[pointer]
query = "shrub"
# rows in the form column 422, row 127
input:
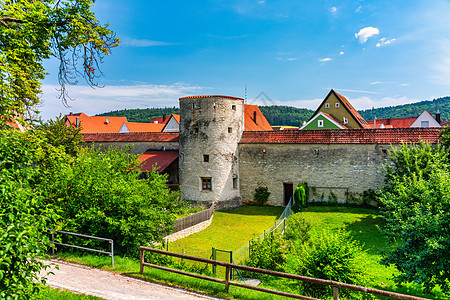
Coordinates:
column 331, row 256
column 298, row 229
column 268, row 253
column 261, row 195
column 301, row 196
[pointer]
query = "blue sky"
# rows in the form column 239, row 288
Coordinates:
column 376, row 53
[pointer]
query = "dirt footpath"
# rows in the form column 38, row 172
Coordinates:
column 109, row 285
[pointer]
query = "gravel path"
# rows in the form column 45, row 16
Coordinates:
column 109, row 285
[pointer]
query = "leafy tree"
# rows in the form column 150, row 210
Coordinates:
column 23, row 216
column 102, row 194
column 58, row 134
column 32, row 31
column 416, row 208
column 301, row 196
column 298, row 229
column 331, row 256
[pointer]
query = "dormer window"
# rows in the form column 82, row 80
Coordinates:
column 327, row 105
column 336, row 105
column 254, row 117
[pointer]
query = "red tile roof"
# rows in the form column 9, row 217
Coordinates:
column 132, row 137
column 337, row 136
column 209, row 96
column 261, row 123
column 96, row 124
column 144, row 127
column 157, row 158
column 394, row 122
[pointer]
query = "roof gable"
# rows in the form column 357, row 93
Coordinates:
column 250, row 124
column 425, row 116
column 351, row 112
column 324, row 116
column 96, row 124
column 173, row 125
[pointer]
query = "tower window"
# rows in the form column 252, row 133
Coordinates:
column 196, row 130
column 235, row 183
column 327, row 105
column 214, row 106
column 233, row 107
column 230, row 130
column 336, row 105
column 205, row 157
column 206, row 183
column 193, row 105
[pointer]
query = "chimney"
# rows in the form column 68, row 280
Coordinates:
column 71, row 114
column 388, row 121
column 77, row 122
column 164, row 117
column 438, row 117
column 254, row 117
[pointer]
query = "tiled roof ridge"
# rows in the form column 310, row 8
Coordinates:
column 351, row 109
column 337, row 136
column 132, row 137
column 211, row 96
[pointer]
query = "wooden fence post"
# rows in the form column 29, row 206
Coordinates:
column 227, row 279
column 335, row 293
column 141, row 259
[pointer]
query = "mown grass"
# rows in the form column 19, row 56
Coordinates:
column 47, row 292
column 231, row 229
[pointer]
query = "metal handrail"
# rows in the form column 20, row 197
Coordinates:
column 111, row 253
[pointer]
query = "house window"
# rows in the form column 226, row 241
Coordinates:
column 206, row 183
column 233, row 107
column 235, row 183
column 345, row 120
column 230, row 130
column 336, row 105
column 424, row 124
column 320, row 123
column 205, row 157
column 327, row 105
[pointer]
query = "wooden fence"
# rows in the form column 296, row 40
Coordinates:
column 229, row 266
column 193, row 219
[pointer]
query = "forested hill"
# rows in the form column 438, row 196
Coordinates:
column 142, row 114
column 410, row 110
column 292, row 116
column 275, row 114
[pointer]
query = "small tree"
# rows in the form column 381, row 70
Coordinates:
column 331, row 256
column 261, row 195
column 298, row 229
column 301, row 196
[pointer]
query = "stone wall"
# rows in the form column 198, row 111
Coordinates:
column 356, row 166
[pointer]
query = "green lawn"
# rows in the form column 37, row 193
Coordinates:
column 230, row 230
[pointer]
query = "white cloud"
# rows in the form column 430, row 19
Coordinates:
column 286, row 58
column 99, row 100
column 325, row 59
column 380, row 82
column 143, row 43
column 341, row 53
column 354, row 91
column 384, row 42
column 368, row 102
column 333, row 10
column 358, row 9
column 261, row 1
column 366, row 33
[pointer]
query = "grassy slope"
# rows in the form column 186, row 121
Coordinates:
column 58, row 294
column 231, row 229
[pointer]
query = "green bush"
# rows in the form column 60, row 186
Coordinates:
column 331, row 256
column 268, row 253
column 301, row 196
column 102, row 194
column 261, row 195
column 298, row 228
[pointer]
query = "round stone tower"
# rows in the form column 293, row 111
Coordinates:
column 210, row 130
